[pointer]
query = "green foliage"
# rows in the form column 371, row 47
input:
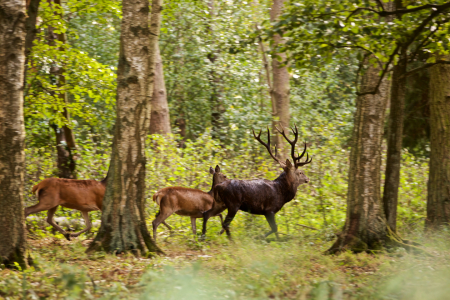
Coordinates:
column 319, row 32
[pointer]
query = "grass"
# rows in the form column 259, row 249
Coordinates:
column 249, row 268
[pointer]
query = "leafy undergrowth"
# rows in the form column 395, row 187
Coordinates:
column 248, row 268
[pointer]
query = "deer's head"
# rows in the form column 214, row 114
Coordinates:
column 218, row 177
column 294, row 175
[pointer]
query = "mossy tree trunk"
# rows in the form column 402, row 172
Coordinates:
column 13, row 246
column 123, row 225
column 438, row 202
column 280, row 82
column 365, row 226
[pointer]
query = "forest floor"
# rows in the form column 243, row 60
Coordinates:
column 248, row 268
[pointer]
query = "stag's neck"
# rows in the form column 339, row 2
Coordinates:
column 211, row 191
column 288, row 189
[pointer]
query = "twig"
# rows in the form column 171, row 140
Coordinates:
column 309, row 227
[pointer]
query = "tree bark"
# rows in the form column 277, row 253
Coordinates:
column 65, row 139
column 365, row 227
column 216, row 99
column 395, row 131
column 123, row 225
column 394, row 143
column 32, row 13
column 438, row 202
column 13, row 245
column 160, row 118
column 280, row 85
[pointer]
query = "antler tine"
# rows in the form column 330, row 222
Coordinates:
column 305, row 162
column 303, row 153
column 258, row 138
column 292, row 143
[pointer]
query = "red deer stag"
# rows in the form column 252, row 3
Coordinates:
column 83, row 195
column 186, row 202
column 261, row 196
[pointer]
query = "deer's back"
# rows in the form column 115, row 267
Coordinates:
column 257, row 196
column 85, row 195
column 185, row 201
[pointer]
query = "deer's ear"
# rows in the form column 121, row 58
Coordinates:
column 289, row 165
column 217, row 169
column 211, row 170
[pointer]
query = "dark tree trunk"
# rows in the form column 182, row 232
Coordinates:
column 438, row 202
column 32, row 13
column 365, row 226
column 65, row 140
column 280, row 84
column 13, row 245
column 123, row 225
column 394, row 141
column 395, row 131
column 160, row 118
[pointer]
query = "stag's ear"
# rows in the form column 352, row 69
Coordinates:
column 217, row 169
column 211, row 170
column 289, row 165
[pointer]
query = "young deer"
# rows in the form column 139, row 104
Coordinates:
column 186, row 202
column 82, row 195
column 261, row 196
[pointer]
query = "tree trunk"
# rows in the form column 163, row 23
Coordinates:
column 438, row 202
column 13, row 243
column 32, row 13
column 65, row 139
column 395, row 131
column 216, row 99
column 394, row 143
column 365, row 226
column 280, row 86
column 160, row 118
column 123, row 225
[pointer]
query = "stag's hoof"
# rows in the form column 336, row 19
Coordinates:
column 67, row 236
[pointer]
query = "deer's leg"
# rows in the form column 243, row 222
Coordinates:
column 50, row 214
column 159, row 219
column 41, row 206
column 194, row 226
column 87, row 222
column 226, row 224
column 167, row 225
column 270, row 217
column 206, row 216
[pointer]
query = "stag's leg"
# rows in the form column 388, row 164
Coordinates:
column 87, row 223
column 206, row 216
column 194, row 226
column 226, row 224
column 270, row 217
column 50, row 221
column 159, row 219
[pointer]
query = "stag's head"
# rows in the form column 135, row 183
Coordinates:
column 293, row 173
column 218, row 177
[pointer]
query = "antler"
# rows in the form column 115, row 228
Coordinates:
column 296, row 159
column 258, row 138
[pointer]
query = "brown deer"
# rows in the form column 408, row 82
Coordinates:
column 82, row 195
column 186, row 202
column 261, row 196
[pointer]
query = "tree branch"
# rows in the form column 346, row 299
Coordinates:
column 425, row 66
